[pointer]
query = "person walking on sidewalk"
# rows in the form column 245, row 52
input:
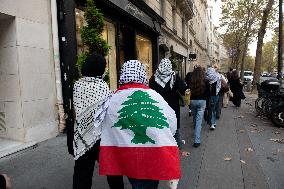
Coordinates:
column 214, row 79
column 200, row 92
column 221, row 93
column 226, row 94
column 137, row 132
column 187, row 81
column 90, row 94
column 170, row 86
column 237, row 89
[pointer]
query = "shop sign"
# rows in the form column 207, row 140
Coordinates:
column 134, row 11
column 192, row 57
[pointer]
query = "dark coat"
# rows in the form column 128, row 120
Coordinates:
column 171, row 96
column 237, row 89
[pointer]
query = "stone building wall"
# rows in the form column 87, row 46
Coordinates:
column 27, row 80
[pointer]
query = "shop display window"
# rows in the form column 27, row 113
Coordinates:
column 144, row 53
column 108, row 35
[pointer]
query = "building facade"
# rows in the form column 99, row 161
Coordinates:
column 173, row 40
column 28, row 111
column 199, row 37
column 217, row 52
column 131, row 29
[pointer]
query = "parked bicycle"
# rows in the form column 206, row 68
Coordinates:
column 270, row 101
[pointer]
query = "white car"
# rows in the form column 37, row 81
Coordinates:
column 248, row 76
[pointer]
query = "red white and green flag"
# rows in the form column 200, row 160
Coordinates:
column 137, row 137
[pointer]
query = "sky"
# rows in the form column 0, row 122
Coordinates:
column 217, row 12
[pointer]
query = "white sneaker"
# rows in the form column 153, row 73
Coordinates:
column 212, row 127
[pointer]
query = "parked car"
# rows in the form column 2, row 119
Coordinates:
column 248, row 77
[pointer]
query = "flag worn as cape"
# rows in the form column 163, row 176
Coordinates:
column 137, row 137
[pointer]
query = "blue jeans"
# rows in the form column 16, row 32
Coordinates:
column 214, row 109
column 143, row 183
column 197, row 108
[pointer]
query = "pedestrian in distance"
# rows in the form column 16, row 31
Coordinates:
column 187, row 81
column 90, row 94
column 226, row 95
column 5, row 182
column 137, row 137
column 200, row 92
column 223, row 94
column 237, row 89
column 170, row 86
column 214, row 79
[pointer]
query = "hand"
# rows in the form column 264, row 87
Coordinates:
column 8, row 182
column 185, row 154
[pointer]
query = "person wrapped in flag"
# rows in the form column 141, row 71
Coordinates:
column 137, row 136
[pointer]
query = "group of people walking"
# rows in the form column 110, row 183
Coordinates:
column 134, row 131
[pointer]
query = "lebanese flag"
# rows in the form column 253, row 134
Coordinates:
column 137, row 137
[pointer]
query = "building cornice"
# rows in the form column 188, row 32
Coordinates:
column 186, row 7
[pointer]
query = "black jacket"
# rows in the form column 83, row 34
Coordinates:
column 237, row 88
column 171, row 96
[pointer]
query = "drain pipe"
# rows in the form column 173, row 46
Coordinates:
column 56, row 57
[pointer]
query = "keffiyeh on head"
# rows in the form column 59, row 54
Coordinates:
column 133, row 71
column 213, row 77
column 165, row 73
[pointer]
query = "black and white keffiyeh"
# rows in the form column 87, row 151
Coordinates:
column 90, row 100
column 133, row 71
column 213, row 77
column 165, row 73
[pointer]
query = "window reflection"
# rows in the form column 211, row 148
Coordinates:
column 144, row 53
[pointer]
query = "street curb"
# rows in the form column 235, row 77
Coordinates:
column 17, row 149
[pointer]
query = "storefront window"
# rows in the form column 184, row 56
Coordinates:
column 109, row 35
column 80, row 22
column 144, row 53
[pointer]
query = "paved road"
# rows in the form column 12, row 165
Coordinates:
column 256, row 161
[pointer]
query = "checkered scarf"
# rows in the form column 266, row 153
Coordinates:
column 213, row 77
column 90, row 100
column 165, row 73
column 133, row 71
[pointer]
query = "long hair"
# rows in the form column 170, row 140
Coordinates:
column 197, row 83
column 94, row 66
column 235, row 75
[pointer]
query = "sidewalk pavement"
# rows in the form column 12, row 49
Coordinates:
column 244, row 151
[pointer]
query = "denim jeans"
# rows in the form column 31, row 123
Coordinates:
column 214, row 109
column 197, row 108
column 143, row 184
column 219, row 106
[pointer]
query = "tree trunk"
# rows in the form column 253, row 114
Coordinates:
column 244, row 54
column 248, row 26
column 261, row 33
